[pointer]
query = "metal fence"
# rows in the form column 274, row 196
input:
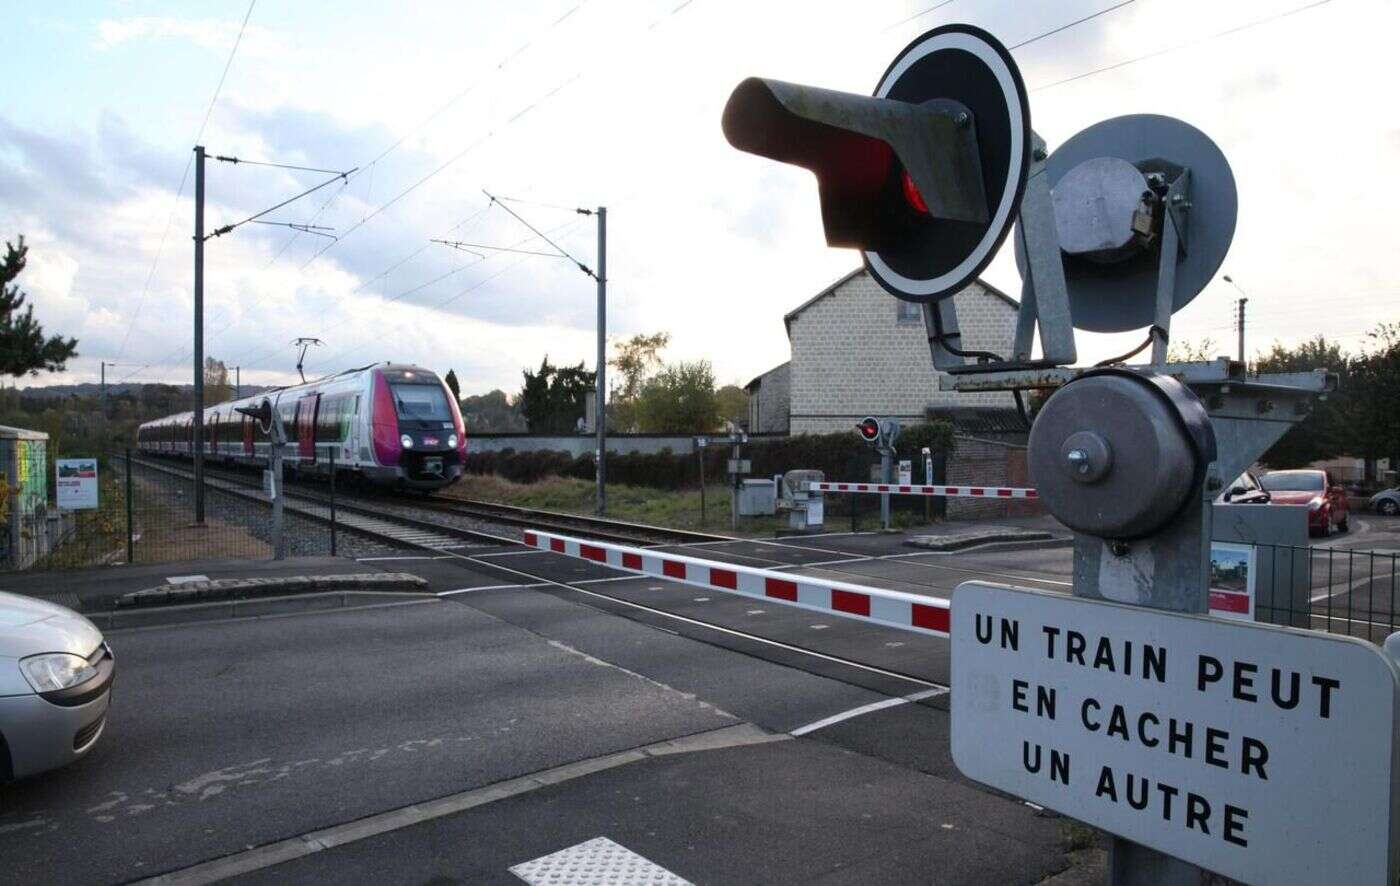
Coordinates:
column 145, row 514
column 1338, row 590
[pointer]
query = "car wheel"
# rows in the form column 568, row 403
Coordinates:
column 1326, row 530
column 1388, row 506
column 1345, row 525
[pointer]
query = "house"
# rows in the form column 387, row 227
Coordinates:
column 769, row 397
column 858, row 351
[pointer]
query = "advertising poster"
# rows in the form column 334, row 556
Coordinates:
column 75, row 487
column 1232, row 580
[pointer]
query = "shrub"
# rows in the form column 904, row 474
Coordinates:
column 840, row 456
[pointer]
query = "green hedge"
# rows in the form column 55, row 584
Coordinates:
column 840, row 456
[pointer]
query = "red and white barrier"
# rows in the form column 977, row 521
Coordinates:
column 949, row 491
column 896, row 609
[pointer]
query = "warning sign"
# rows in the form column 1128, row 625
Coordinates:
column 75, row 486
column 1259, row 752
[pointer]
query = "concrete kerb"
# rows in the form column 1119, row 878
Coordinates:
column 257, row 607
column 242, row 588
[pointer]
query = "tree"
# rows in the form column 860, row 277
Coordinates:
column 635, row 360
column 732, row 402
column 24, row 350
column 1187, row 351
column 216, row 384
column 680, row 399
column 492, row 412
column 553, row 398
column 1372, row 392
column 453, row 385
column 1327, row 430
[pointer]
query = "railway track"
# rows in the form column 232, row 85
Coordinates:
column 599, row 528
column 395, row 529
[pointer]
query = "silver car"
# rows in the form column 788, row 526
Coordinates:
column 56, row 675
column 1387, row 502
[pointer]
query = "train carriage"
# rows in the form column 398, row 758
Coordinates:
column 394, row 425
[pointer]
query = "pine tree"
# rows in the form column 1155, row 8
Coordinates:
column 453, row 385
column 23, row 348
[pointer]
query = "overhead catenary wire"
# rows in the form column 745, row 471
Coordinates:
column 184, row 176
column 219, row 232
column 1184, row 45
column 1073, row 24
column 581, row 266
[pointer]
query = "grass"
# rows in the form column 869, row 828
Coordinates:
column 674, row 509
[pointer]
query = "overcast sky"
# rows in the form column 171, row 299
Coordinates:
column 612, row 102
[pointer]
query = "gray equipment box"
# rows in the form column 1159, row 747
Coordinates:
column 758, row 498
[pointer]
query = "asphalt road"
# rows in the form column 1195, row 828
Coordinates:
column 233, row 735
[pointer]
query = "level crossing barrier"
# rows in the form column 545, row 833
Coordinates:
column 914, row 489
column 896, row 609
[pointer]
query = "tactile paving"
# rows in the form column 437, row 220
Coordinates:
column 596, row 862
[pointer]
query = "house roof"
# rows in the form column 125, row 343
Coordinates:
column 846, row 278
column 754, row 382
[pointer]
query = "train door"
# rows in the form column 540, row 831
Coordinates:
column 306, row 428
column 247, row 436
column 211, row 435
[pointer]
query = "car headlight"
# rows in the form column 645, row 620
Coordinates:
column 451, row 441
column 1314, row 504
column 53, row 671
column 407, row 441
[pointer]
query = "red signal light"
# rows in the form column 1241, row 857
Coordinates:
column 869, row 430
column 912, row 195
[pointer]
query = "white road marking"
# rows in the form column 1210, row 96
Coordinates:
column 867, row 709
column 184, row 579
column 599, row 860
column 453, row 593
column 410, row 557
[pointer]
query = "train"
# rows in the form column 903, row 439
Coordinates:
column 389, row 425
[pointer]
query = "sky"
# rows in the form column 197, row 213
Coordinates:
column 562, row 104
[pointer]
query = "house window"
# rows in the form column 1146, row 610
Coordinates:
column 908, row 312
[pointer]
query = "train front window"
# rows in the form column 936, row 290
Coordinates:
column 421, row 403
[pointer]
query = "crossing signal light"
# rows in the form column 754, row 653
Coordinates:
column 869, row 430
column 923, row 176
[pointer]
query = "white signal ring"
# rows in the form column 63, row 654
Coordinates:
column 953, row 280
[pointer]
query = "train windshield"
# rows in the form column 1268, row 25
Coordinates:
column 421, row 403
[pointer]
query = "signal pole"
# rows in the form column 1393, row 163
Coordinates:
column 238, row 382
column 600, row 397
column 198, row 440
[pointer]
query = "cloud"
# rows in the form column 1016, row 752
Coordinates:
column 212, row 34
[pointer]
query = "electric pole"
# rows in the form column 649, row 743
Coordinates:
column 238, row 382
column 1239, row 316
column 198, row 439
column 600, row 399
column 600, row 396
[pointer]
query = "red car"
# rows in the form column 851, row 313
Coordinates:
column 1326, row 501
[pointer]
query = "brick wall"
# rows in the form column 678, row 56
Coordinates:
column 853, row 355
column 979, row 462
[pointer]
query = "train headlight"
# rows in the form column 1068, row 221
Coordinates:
column 451, row 441
column 406, row 441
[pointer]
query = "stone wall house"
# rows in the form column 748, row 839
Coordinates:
column 769, row 399
column 858, row 351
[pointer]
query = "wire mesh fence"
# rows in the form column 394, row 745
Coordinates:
column 1338, row 590
column 146, row 514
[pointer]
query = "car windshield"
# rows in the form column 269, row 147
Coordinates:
column 421, row 403
column 1293, row 481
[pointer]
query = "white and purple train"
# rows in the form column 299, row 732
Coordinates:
column 392, row 425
